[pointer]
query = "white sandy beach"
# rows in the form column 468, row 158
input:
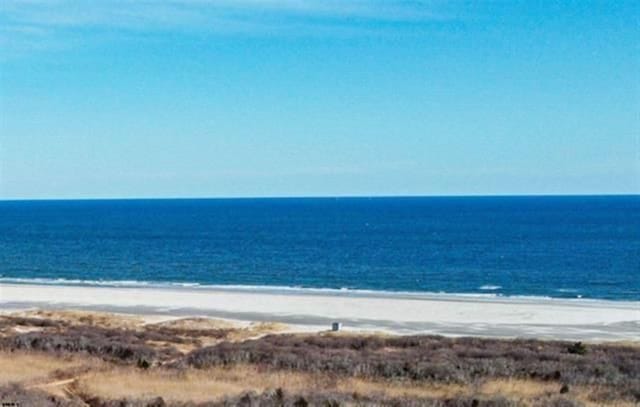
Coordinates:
column 402, row 314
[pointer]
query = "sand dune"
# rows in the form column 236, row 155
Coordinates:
column 436, row 314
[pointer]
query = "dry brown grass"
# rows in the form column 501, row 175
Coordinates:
column 628, row 343
column 513, row 388
column 92, row 318
column 197, row 323
column 390, row 389
column 198, row 327
column 191, row 385
column 217, row 383
column 32, row 368
column 203, row 385
column 125, row 321
column 590, row 403
column 97, row 378
column 256, row 330
column 62, row 376
column 525, row 391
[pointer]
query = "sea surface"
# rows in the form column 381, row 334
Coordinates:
column 568, row 247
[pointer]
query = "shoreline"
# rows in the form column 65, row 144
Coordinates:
column 483, row 293
column 305, row 311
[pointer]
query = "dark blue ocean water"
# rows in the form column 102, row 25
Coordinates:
column 569, row 247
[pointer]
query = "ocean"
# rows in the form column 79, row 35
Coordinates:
column 542, row 246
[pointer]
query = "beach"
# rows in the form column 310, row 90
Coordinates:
column 315, row 310
column 83, row 345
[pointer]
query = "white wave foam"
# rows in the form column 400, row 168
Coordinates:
column 105, row 283
column 234, row 287
column 293, row 290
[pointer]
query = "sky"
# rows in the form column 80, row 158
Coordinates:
column 249, row 98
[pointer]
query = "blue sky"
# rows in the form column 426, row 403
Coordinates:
column 216, row 98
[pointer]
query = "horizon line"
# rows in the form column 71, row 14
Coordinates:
column 274, row 197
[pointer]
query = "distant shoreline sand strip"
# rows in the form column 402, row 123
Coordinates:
column 484, row 291
column 452, row 315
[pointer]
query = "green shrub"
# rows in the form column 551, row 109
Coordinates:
column 577, row 348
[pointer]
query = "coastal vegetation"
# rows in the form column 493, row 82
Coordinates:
column 94, row 359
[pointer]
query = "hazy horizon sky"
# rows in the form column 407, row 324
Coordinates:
column 222, row 98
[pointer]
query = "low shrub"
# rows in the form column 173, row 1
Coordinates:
column 19, row 396
column 118, row 345
column 438, row 359
column 577, row 348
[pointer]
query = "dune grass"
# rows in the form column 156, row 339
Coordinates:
column 32, row 368
column 80, row 357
